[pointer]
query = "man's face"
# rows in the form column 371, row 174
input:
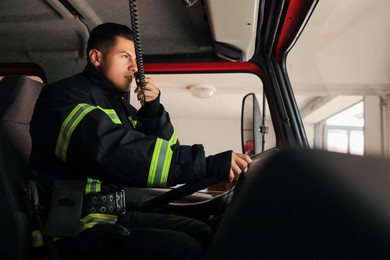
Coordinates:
column 118, row 64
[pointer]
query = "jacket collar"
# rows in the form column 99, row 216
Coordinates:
column 101, row 81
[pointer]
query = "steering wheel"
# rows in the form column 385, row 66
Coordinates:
column 179, row 192
column 190, row 188
column 186, row 189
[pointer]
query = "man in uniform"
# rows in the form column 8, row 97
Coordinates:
column 86, row 137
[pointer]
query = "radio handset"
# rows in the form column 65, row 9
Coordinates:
column 138, row 81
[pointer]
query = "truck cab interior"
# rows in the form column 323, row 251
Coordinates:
column 291, row 201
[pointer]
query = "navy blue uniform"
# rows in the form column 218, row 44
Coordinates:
column 82, row 128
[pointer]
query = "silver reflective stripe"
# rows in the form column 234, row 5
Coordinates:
column 132, row 121
column 68, row 126
column 71, row 122
column 92, row 186
column 112, row 114
column 37, row 238
column 161, row 162
column 95, row 218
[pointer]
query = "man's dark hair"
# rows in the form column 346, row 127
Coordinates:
column 102, row 37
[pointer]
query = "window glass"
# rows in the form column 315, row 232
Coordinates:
column 215, row 121
column 337, row 140
column 356, row 140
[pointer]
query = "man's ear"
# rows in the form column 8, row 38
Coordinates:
column 95, row 57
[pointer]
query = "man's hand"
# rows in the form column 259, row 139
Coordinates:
column 239, row 164
column 150, row 92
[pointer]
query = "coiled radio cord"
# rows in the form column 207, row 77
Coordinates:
column 137, row 44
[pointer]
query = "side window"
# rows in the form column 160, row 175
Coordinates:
column 342, row 132
column 212, row 115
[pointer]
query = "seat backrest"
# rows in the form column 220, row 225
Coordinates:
column 309, row 204
column 18, row 95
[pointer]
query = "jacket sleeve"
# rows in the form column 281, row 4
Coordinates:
column 188, row 162
column 153, row 119
column 122, row 156
column 191, row 165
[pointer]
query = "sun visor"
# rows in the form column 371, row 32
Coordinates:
column 233, row 27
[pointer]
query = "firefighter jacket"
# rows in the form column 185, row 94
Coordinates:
column 82, row 127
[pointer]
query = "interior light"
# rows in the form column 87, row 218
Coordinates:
column 201, row 90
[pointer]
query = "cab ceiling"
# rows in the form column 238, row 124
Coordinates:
column 35, row 30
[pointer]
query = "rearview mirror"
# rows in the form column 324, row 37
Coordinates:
column 250, row 125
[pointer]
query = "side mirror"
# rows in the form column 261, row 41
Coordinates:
column 250, row 125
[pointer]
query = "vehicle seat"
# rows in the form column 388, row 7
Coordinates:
column 310, row 204
column 18, row 95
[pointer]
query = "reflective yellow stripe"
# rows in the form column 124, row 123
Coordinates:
column 153, row 165
column 161, row 162
column 92, row 186
column 112, row 114
column 132, row 121
column 68, row 127
column 87, row 222
column 71, row 122
column 95, row 218
column 37, row 238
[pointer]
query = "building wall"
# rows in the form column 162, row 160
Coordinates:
column 216, row 135
column 386, row 126
column 373, row 133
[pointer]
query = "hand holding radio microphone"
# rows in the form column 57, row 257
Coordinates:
column 149, row 93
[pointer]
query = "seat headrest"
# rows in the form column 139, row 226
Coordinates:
column 18, row 94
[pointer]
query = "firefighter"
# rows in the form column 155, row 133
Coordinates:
column 88, row 142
